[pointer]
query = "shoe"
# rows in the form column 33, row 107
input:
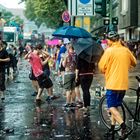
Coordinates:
column 67, row 105
column 84, row 109
column 2, row 98
column 38, row 100
column 34, row 93
column 125, row 133
column 48, row 98
column 72, row 105
column 79, row 104
column 54, row 97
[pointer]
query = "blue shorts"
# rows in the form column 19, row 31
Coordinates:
column 114, row 97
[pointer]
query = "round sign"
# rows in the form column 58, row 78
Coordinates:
column 84, row 1
column 66, row 16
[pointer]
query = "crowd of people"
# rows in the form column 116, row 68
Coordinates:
column 75, row 72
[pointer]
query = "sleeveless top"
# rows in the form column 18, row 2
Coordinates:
column 71, row 62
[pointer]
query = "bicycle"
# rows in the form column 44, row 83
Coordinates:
column 106, row 115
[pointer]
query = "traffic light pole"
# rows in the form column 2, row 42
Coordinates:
column 110, row 12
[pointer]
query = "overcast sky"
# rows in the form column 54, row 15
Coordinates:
column 11, row 3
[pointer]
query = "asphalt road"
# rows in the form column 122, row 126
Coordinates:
column 22, row 119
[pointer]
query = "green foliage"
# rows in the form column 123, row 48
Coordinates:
column 47, row 11
column 6, row 15
column 9, row 17
column 18, row 20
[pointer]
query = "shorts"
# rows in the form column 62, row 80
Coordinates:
column 44, row 81
column 114, row 97
column 69, row 81
column 2, row 81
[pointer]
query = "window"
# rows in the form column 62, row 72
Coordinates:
column 8, row 37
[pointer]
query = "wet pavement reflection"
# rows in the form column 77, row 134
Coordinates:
column 23, row 119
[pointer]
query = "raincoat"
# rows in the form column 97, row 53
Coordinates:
column 115, row 64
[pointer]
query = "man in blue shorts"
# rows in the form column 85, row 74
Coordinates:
column 115, row 64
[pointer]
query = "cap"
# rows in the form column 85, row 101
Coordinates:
column 112, row 34
column 66, row 40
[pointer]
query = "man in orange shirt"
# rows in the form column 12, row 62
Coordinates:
column 115, row 64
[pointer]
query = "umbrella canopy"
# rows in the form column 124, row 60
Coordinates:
column 71, row 32
column 88, row 49
column 53, row 42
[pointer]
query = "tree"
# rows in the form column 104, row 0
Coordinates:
column 18, row 20
column 7, row 15
column 47, row 11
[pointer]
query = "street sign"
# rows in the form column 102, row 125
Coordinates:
column 84, row 1
column 66, row 16
column 85, row 7
column 81, row 7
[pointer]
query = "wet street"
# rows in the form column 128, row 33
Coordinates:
column 22, row 119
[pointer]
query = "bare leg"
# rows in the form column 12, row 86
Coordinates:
column 78, row 95
column 40, row 90
column 116, row 115
column 73, row 96
column 50, row 91
column 2, row 95
column 68, row 96
column 35, row 85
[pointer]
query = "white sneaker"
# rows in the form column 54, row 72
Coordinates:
column 85, row 109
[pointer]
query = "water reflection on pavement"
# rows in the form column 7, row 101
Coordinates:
column 22, row 119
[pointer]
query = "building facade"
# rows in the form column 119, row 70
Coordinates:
column 139, row 19
column 128, row 19
column 99, row 27
column 128, row 13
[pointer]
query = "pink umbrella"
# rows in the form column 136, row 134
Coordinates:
column 52, row 42
column 55, row 42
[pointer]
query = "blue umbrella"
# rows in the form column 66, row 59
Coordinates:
column 71, row 32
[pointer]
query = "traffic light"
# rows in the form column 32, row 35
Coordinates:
column 115, row 20
column 106, row 21
column 100, row 7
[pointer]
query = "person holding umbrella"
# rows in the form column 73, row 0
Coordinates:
column 88, row 52
column 84, row 73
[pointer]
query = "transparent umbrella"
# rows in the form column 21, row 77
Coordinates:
column 88, row 49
